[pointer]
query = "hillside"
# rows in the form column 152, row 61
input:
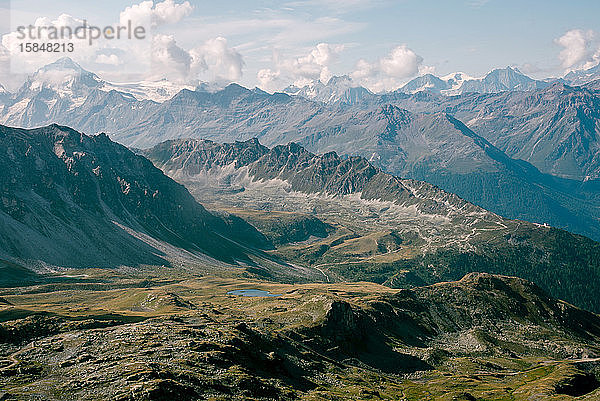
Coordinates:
column 400, row 232
column 70, row 200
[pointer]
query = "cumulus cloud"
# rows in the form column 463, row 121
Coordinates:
column 134, row 57
column 581, row 49
column 386, row 73
column 213, row 60
column 157, row 56
column 301, row 70
column 268, row 79
column 111, row 59
column 220, row 62
column 401, row 63
column 168, row 59
column 391, row 71
column 166, row 12
column 20, row 61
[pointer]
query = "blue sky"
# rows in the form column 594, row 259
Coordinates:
column 380, row 43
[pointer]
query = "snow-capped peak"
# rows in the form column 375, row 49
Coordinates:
column 337, row 89
column 458, row 76
column 63, row 64
column 64, row 77
column 158, row 91
column 497, row 80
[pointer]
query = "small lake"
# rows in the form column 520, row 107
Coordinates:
column 253, row 293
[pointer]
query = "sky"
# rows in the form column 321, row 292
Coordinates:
column 380, row 44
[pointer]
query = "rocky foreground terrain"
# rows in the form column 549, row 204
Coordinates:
column 125, row 337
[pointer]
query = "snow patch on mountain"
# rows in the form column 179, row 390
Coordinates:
column 339, row 89
column 157, row 91
column 498, row 80
column 582, row 77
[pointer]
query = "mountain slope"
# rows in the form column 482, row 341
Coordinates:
column 427, row 146
column 71, row 200
column 554, row 129
column 593, row 85
column 4, row 95
column 388, row 230
column 582, row 77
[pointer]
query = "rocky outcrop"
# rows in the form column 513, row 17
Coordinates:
column 72, row 200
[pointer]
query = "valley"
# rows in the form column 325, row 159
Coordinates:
column 374, row 226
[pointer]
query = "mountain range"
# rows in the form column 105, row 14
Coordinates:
column 73, row 201
column 63, row 86
column 342, row 89
column 498, row 80
column 528, row 154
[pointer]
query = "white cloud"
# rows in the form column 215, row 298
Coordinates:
column 401, row 63
column 222, row 63
column 158, row 56
column 166, row 12
column 363, row 70
column 29, row 61
column 391, row 71
column 168, row 59
column 301, row 70
column 581, row 49
column 134, row 57
column 169, row 12
column 268, row 79
column 386, row 73
column 213, row 60
column 112, row 59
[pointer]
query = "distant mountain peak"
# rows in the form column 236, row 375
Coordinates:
column 63, row 63
column 65, row 77
column 235, row 88
column 582, row 77
column 509, row 70
column 341, row 79
column 498, row 80
column 338, row 89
